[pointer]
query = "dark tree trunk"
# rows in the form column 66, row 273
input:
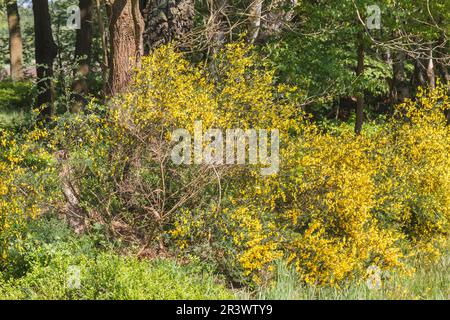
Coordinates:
column 418, row 78
column 399, row 88
column 125, row 28
column 83, row 43
column 104, row 39
column 46, row 50
column 360, row 74
column 166, row 21
column 15, row 41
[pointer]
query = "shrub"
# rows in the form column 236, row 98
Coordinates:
column 339, row 205
column 25, row 183
column 16, row 101
column 120, row 159
column 16, row 95
column 414, row 181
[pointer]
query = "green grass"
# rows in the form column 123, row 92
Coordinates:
column 49, row 258
column 42, row 264
column 431, row 282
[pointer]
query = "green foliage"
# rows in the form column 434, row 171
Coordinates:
column 16, row 101
column 16, row 95
column 430, row 282
column 41, row 270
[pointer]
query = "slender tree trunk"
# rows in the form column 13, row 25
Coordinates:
column 430, row 70
column 83, row 43
column 126, row 27
column 399, row 89
column 444, row 58
column 360, row 74
column 83, row 40
column 101, row 27
column 15, row 41
column 418, row 78
column 255, row 20
column 46, row 50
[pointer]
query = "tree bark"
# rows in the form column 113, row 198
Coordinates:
column 418, row 78
column 399, row 88
column 430, row 69
column 83, row 43
column 255, row 20
column 126, row 27
column 15, row 41
column 104, row 63
column 45, row 53
column 75, row 215
column 166, row 21
column 360, row 74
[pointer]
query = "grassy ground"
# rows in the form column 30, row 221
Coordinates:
column 52, row 263
column 50, row 255
column 430, row 282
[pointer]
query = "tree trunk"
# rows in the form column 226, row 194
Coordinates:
column 104, row 63
column 126, row 27
column 399, row 89
column 45, row 53
column 83, row 43
column 166, row 21
column 430, row 70
column 255, row 20
column 418, row 78
column 75, row 215
column 444, row 58
column 15, row 41
column 360, row 74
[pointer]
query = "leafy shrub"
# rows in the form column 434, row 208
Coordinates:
column 340, row 203
column 414, row 182
column 120, row 159
column 16, row 95
column 26, row 180
column 16, row 101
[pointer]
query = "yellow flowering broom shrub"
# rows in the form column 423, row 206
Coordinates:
column 26, row 173
column 340, row 203
column 414, row 183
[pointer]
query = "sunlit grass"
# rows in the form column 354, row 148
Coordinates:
column 430, row 282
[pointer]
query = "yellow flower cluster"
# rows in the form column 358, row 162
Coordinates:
column 339, row 204
column 20, row 193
